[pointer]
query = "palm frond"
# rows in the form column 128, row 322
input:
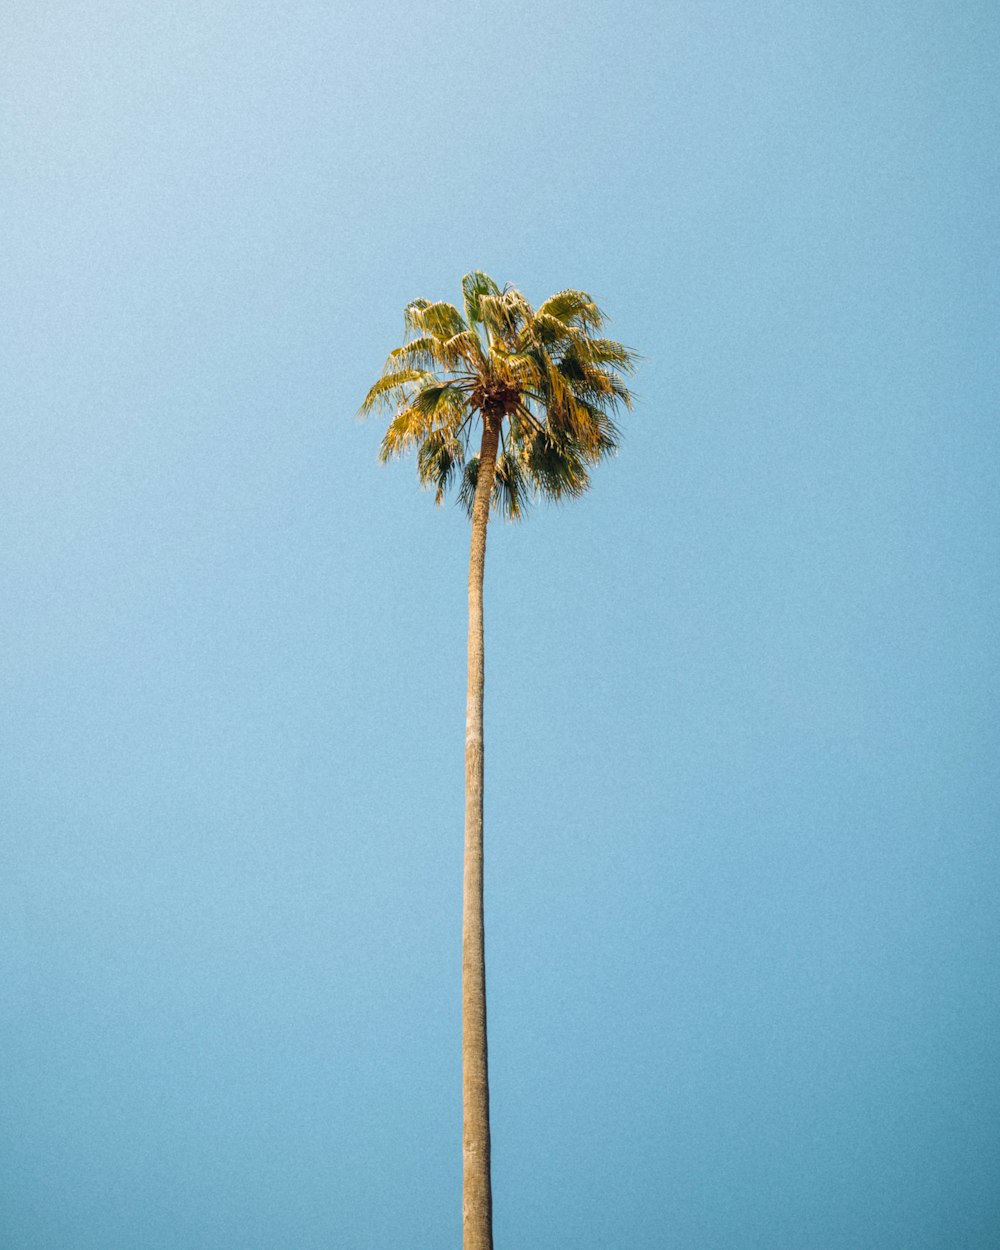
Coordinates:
column 549, row 332
column 431, row 410
column 519, row 367
column 405, row 431
column 504, row 314
column 556, row 467
column 603, row 386
column 602, row 438
column 440, row 456
column 391, row 387
column 465, row 347
column 608, row 352
column 573, row 308
column 474, row 286
column 412, row 310
column 511, row 486
column 441, row 319
column 440, row 399
column 467, row 489
column 426, row 353
column 556, row 391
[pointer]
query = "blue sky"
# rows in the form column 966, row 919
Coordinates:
column 741, row 726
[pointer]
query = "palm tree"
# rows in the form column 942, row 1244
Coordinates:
column 540, row 390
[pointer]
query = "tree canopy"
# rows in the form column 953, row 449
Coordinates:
column 544, row 375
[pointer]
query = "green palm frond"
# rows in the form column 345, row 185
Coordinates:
column 603, row 387
column 573, row 308
column 429, row 411
column 412, row 309
column 511, row 487
column 474, row 286
column 441, row 398
column 603, row 434
column 466, row 348
column 442, row 320
column 440, row 456
column 557, row 393
column 427, row 353
column 390, row 388
column 467, row 488
column 494, row 316
column 519, row 367
column 608, row 352
column 505, row 313
column 556, row 467
column 512, row 490
column 406, row 430
column 548, row 333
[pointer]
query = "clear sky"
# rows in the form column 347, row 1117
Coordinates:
column 742, row 863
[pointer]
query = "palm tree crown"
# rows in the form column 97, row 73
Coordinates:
column 542, row 375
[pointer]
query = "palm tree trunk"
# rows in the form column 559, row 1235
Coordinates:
column 477, row 1198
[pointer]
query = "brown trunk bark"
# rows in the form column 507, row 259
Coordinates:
column 477, row 1198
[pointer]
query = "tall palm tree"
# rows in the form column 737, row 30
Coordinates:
column 539, row 389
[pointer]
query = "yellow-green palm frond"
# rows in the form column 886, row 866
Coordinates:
column 551, row 334
column 440, row 319
column 392, row 389
column 474, row 286
column 602, row 436
column 426, row 353
column 412, row 309
column 439, row 457
column 467, row 486
column 575, row 414
column 511, row 485
column 572, row 422
column 504, row 314
column 603, row 386
column 494, row 316
column 523, row 369
column 538, row 465
column 466, row 348
column 518, row 311
column 432, row 409
column 557, row 391
column 405, row 431
column 573, row 308
column 608, row 352
column 441, row 401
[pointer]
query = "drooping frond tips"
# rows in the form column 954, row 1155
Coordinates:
column 512, row 487
column 505, row 314
column 467, row 488
column 390, row 389
column 439, row 458
column 413, row 310
column 430, row 410
column 442, row 320
column 608, row 352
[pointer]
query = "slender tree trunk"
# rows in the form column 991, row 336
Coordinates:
column 477, row 1198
